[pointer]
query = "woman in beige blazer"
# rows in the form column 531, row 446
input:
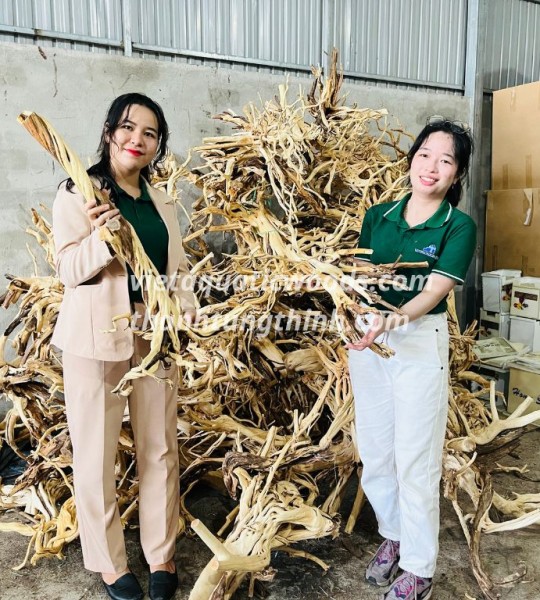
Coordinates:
column 98, row 287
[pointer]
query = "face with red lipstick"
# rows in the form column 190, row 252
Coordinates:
column 434, row 167
column 134, row 142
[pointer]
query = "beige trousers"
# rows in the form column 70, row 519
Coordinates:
column 94, row 417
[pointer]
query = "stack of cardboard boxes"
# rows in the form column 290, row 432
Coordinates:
column 495, row 323
column 513, row 203
column 496, row 296
column 511, row 310
column 525, row 328
column 525, row 312
column 512, row 239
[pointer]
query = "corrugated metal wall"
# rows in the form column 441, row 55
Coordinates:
column 235, row 28
column 413, row 43
column 257, row 33
column 512, row 54
column 409, row 41
column 94, row 25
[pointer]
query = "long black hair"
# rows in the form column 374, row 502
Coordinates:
column 102, row 169
column 463, row 147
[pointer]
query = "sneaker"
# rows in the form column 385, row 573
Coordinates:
column 409, row 587
column 383, row 567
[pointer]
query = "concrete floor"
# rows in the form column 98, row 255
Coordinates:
column 297, row 578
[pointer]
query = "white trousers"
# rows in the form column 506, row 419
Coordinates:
column 401, row 406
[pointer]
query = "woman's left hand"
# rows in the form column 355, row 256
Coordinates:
column 377, row 327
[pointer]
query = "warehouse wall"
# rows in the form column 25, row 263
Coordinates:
column 407, row 43
column 379, row 39
column 72, row 90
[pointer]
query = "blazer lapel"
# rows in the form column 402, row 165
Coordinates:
column 167, row 211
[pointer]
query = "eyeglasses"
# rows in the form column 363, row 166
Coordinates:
column 454, row 126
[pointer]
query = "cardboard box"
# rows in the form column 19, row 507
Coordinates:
column 522, row 384
column 497, row 290
column 493, row 324
column 525, row 300
column 513, row 230
column 515, row 159
column 525, row 331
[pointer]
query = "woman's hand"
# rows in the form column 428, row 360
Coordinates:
column 99, row 215
column 377, row 327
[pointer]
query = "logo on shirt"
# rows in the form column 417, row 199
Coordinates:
column 428, row 251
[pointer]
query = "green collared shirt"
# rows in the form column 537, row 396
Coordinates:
column 446, row 241
column 149, row 227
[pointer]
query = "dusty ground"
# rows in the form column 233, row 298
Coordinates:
column 296, row 578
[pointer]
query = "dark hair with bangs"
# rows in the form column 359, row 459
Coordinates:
column 463, row 147
column 102, row 169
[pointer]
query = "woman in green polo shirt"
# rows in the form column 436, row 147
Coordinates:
column 97, row 287
column 401, row 403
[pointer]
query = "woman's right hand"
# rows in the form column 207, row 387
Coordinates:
column 378, row 326
column 99, row 215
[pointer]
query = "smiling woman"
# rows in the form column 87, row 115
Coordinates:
column 401, row 403
column 133, row 145
column 98, row 287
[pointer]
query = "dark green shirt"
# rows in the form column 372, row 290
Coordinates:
column 446, row 241
column 149, row 227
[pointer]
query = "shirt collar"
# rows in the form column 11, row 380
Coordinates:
column 144, row 197
column 441, row 216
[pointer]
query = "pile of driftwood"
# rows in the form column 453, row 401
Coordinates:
column 266, row 411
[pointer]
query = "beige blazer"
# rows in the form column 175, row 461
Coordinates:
column 96, row 283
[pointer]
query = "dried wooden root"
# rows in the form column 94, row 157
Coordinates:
column 269, row 517
column 475, row 430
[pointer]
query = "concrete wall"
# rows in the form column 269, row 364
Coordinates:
column 73, row 90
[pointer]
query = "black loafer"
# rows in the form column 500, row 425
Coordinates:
column 125, row 588
column 163, row 585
